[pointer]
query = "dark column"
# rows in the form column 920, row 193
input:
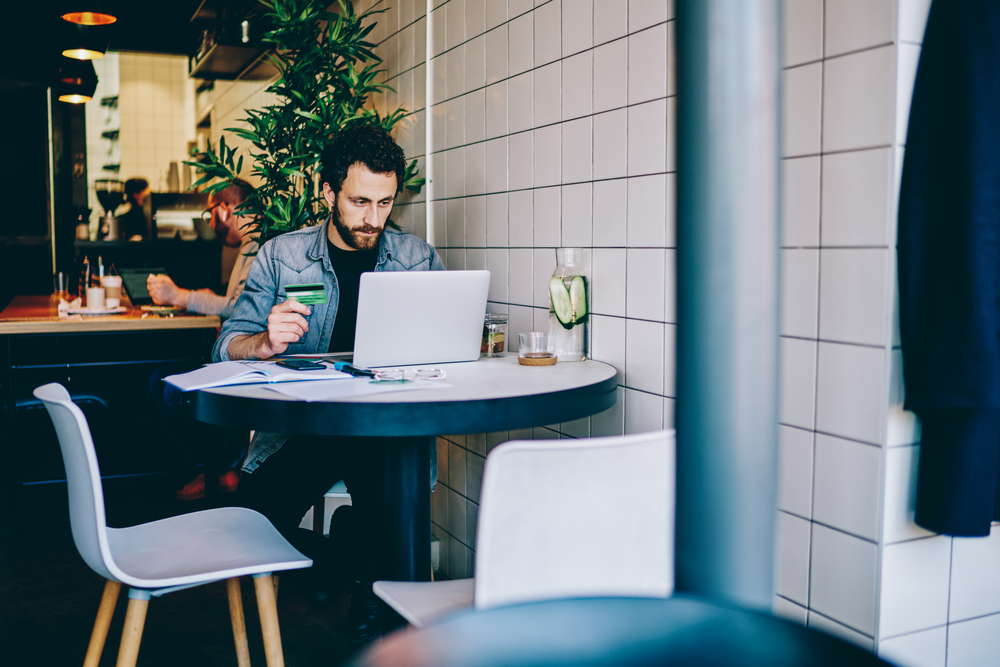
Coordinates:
column 727, row 259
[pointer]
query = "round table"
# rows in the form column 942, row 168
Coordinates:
column 485, row 395
column 623, row 632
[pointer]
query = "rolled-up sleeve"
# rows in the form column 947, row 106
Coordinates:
column 210, row 304
column 251, row 310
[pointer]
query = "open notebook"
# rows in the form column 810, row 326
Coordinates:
column 229, row 373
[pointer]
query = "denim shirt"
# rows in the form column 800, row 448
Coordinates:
column 302, row 257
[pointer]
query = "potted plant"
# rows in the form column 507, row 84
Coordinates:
column 327, row 72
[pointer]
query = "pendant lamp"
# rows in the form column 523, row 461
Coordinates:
column 88, row 12
column 76, row 81
column 85, row 42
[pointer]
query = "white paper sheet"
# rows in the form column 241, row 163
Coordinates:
column 337, row 389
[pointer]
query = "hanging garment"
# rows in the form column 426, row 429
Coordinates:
column 949, row 266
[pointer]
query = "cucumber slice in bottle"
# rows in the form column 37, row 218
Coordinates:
column 561, row 304
column 578, row 298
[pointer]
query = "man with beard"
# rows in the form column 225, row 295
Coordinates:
column 362, row 173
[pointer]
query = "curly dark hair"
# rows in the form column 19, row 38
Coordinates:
column 362, row 144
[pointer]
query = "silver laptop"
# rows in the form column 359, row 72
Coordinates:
column 407, row 318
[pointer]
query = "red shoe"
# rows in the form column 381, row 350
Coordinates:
column 193, row 490
column 227, row 482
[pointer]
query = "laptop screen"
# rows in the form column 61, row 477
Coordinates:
column 134, row 282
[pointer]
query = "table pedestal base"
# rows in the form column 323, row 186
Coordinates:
column 408, row 508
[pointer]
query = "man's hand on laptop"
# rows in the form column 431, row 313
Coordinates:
column 285, row 325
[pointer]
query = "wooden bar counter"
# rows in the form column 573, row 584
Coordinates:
column 39, row 314
column 106, row 363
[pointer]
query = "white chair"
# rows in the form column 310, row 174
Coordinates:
column 167, row 555
column 561, row 519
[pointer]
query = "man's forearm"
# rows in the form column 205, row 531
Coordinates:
column 250, row 347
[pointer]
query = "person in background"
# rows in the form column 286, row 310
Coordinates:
column 221, row 450
column 234, row 231
column 133, row 221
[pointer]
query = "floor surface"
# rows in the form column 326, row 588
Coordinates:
column 49, row 599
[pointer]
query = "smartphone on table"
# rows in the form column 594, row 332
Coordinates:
column 301, row 364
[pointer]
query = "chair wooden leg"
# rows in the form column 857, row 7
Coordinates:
column 239, row 623
column 135, row 619
column 104, row 613
column 268, row 608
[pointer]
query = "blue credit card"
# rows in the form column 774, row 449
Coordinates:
column 308, row 294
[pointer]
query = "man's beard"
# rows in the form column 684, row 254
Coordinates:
column 354, row 237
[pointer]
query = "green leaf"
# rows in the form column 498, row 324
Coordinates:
column 307, row 114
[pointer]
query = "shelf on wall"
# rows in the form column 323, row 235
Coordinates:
column 111, row 102
column 110, row 134
column 224, row 62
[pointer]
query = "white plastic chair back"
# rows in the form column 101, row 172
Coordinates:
column 577, row 518
column 83, row 477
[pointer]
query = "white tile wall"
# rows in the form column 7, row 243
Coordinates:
column 791, row 560
column 799, row 292
column 849, row 394
column 795, row 466
column 846, row 486
column 843, row 579
column 803, row 101
column 858, row 98
column 853, row 296
column 975, row 578
column 914, row 587
column 857, row 188
column 803, row 39
column 852, row 25
column 975, row 642
column 797, row 401
column 919, row 649
column 156, row 107
column 579, row 95
column 800, row 187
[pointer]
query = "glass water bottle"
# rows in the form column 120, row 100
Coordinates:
column 569, row 304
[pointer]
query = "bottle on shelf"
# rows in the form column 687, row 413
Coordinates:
column 85, row 277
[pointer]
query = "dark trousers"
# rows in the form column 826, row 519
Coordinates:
column 957, row 479
column 294, row 478
column 217, row 449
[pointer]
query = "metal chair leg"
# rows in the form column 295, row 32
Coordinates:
column 135, row 619
column 104, row 613
column 238, row 621
column 268, row 608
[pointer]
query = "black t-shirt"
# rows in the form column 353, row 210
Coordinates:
column 348, row 265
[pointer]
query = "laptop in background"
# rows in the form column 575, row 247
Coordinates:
column 134, row 282
column 407, row 318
